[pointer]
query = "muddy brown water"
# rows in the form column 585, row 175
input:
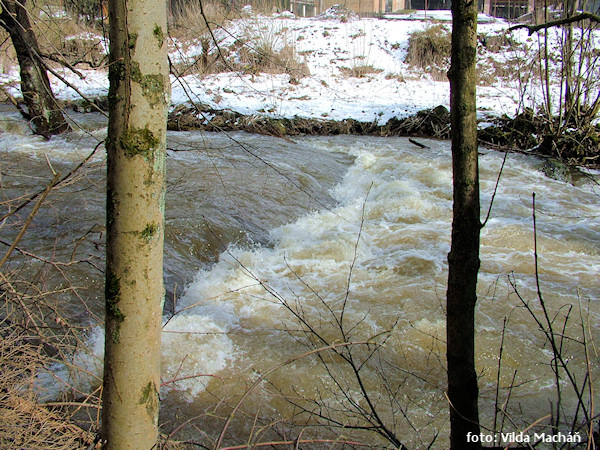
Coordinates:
column 349, row 232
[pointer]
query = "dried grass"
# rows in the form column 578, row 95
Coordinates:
column 264, row 58
column 26, row 423
column 269, row 49
column 188, row 21
column 360, row 71
column 429, row 50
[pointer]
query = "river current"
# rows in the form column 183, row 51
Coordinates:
column 275, row 247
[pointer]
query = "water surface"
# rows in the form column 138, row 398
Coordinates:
column 275, row 247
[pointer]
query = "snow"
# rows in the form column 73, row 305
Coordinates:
column 329, row 47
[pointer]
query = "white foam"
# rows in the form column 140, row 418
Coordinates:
column 194, row 348
column 80, row 374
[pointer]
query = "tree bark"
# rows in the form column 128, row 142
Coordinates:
column 463, row 259
column 42, row 109
column 136, row 148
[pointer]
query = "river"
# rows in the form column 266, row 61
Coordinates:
column 275, row 247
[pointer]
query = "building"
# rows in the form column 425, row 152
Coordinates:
column 507, row 9
column 308, row 8
column 528, row 10
column 363, row 6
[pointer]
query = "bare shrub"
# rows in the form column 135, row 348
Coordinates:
column 569, row 342
column 500, row 56
column 65, row 39
column 86, row 50
column 567, row 88
column 191, row 19
column 8, row 59
column 39, row 292
column 264, row 58
column 429, row 50
column 498, row 42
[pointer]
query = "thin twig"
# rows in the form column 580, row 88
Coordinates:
column 62, row 180
column 297, row 442
column 263, row 376
column 495, row 190
column 497, row 394
column 34, row 211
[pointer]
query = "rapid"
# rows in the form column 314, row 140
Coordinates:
column 275, row 248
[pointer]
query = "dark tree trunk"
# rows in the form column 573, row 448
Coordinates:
column 463, row 259
column 42, row 109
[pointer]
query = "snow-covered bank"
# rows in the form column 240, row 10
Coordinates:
column 329, row 48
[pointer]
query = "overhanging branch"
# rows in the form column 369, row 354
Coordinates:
column 556, row 23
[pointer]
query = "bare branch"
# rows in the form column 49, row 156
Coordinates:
column 47, row 190
column 62, row 180
column 495, row 191
column 556, row 23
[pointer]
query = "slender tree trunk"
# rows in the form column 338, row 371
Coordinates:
column 571, row 99
column 138, row 100
column 463, row 259
column 42, row 109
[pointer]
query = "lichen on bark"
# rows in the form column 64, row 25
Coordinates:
column 139, row 142
column 160, row 36
column 153, row 85
column 150, row 398
column 149, row 232
column 132, row 40
column 116, row 74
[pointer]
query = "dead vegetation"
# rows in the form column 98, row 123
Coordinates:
column 499, row 55
column 266, row 58
column 38, row 294
column 267, row 49
column 429, row 50
column 25, row 422
column 31, row 343
column 532, row 132
column 428, row 123
column 67, row 41
column 360, row 71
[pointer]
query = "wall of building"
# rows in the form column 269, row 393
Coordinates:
column 362, row 6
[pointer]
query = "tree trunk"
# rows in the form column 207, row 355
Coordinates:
column 42, row 109
column 136, row 148
column 463, row 259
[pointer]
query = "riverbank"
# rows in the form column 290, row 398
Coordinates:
column 523, row 133
column 427, row 123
